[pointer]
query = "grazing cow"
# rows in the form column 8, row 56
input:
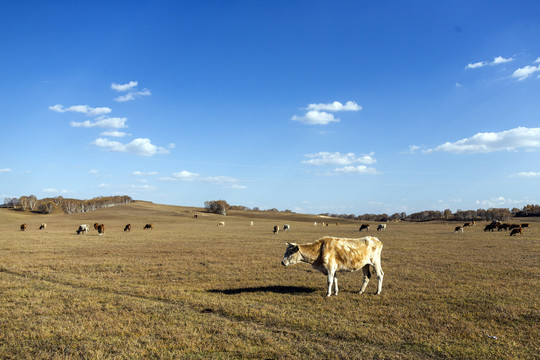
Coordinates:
column 195, row 216
column 514, row 226
column 42, row 226
column 286, row 227
column 491, row 227
column 330, row 255
column 23, row 227
column 458, row 229
column 381, row 227
column 503, row 227
column 101, row 229
column 516, row 231
column 276, row 229
column 523, row 226
column 148, row 226
column 127, row 228
column 364, row 227
column 466, row 224
column 82, row 229
column 473, row 223
column 221, row 223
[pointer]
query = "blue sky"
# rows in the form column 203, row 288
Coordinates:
column 313, row 106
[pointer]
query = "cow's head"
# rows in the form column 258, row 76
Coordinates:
column 292, row 255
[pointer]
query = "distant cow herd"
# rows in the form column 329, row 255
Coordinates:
column 515, row 229
column 83, row 228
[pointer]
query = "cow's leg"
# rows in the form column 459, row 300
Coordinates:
column 380, row 276
column 331, row 277
column 335, row 285
column 367, row 275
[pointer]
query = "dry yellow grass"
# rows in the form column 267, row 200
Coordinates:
column 190, row 289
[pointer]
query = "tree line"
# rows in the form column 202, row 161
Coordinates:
column 68, row 206
column 221, row 207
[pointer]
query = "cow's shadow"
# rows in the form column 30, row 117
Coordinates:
column 277, row 289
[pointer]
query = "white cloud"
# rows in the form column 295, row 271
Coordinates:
column 55, row 191
column 144, row 173
column 6, row 170
column 360, row 169
column 104, row 186
column 138, row 146
column 83, row 109
column 113, row 133
column 336, row 158
column 525, row 72
column 317, row 113
column 124, row 87
column 496, row 61
column 94, row 172
column 500, row 60
column 133, row 95
column 130, row 88
column 226, row 181
column 499, row 202
column 526, row 174
column 537, row 61
column 509, row 140
column 413, row 148
column 114, row 122
column 476, row 65
column 335, row 106
column 315, row 117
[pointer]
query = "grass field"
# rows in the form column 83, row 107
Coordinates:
column 189, row 289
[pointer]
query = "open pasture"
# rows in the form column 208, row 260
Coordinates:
column 192, row 289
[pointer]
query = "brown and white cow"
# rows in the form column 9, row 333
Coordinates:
column 23, row 227
column 101, row 229
column 331, row 254
column 82, row 229
column 42, row 226
column 458, row 229
column 148, row 226
column 127, row 228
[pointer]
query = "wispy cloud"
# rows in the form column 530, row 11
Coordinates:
column 144, row 173
column 133, row 95
column 83, row 109
column 347, row 162
column 509, row 140
column 335, row 106
column 114, row 122
column 131, row 89
column 500, row 201
column 526, row 174
column 124, row 87
column 113, row 133
column 336, row 158
column 359, row 169
column 225, row 181
column 496, row 61
column 139, row 146
column 5, row 170
column 317, row 114
column 55, row 191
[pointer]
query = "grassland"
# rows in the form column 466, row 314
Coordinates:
column 189, row 289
